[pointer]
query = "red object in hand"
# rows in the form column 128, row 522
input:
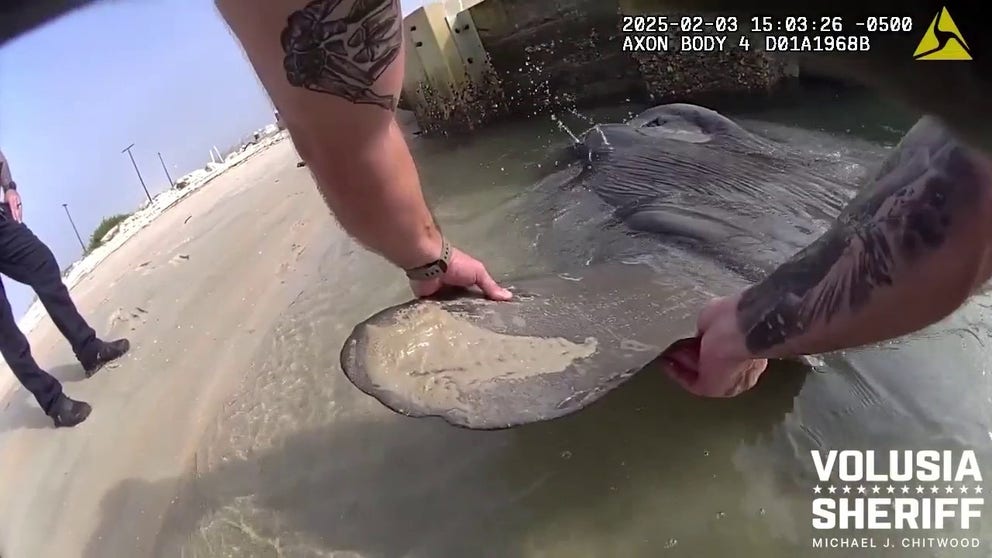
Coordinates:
column 682, row 358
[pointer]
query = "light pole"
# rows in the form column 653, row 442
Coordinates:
column 171, row 184
column 81, row 244
column 142, row 180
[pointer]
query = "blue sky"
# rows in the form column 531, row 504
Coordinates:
column 165, row 75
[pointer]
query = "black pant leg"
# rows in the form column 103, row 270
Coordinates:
column 17, row 353
column 26, row 259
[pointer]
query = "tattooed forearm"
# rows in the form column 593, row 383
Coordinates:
column 928, row 185
column 341, row 47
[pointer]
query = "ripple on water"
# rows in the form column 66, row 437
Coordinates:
column 293, row 385
column 297, row 446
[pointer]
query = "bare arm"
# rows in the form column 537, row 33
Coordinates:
column 907, row 252
column 334, row 68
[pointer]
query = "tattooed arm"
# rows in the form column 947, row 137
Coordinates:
column 905, row 253
column 334, row 69
column 908, row 251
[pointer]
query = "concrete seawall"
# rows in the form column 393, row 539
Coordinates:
column 470, row 62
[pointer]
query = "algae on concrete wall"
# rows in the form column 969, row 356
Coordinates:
column 560, row 54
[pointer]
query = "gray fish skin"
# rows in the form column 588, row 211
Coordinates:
column 697, row 185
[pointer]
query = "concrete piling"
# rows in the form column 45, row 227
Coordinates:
column 449, row 83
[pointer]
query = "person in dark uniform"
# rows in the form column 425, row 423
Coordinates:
column 26, row 259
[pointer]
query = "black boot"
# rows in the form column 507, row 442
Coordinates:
column 68, row 412
column 104, row 354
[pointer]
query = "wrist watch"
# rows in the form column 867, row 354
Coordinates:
column 434, row 269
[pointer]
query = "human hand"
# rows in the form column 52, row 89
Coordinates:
column 13, row 199
column 715, row 363
column 463, row 271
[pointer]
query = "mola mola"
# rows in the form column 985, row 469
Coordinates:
column 704, row 207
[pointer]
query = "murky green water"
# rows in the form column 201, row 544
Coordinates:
column 302, row 464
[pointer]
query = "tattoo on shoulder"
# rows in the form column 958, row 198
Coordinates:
column 341, row 47
column 928, row 181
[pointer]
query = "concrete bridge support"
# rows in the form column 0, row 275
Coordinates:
column 470, row 62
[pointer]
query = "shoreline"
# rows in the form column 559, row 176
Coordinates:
column 145, row 215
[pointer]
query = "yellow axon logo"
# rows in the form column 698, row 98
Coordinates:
column 942, row 41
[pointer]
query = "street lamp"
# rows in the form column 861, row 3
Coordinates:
column 128, row 150
column 81, row 244
column 171, row 184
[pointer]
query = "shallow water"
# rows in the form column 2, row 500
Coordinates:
column 302, row 464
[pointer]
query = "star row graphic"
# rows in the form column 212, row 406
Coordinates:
column 905, row 489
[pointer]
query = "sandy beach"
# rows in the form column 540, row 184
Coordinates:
column 195, row 290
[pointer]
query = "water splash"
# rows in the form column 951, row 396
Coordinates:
column 562, row 126
column 582, row 116
column 606, row 142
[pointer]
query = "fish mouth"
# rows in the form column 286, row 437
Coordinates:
column 675, row 122
column 603, row 139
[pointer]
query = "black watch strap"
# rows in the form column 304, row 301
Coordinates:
column 434, row 269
